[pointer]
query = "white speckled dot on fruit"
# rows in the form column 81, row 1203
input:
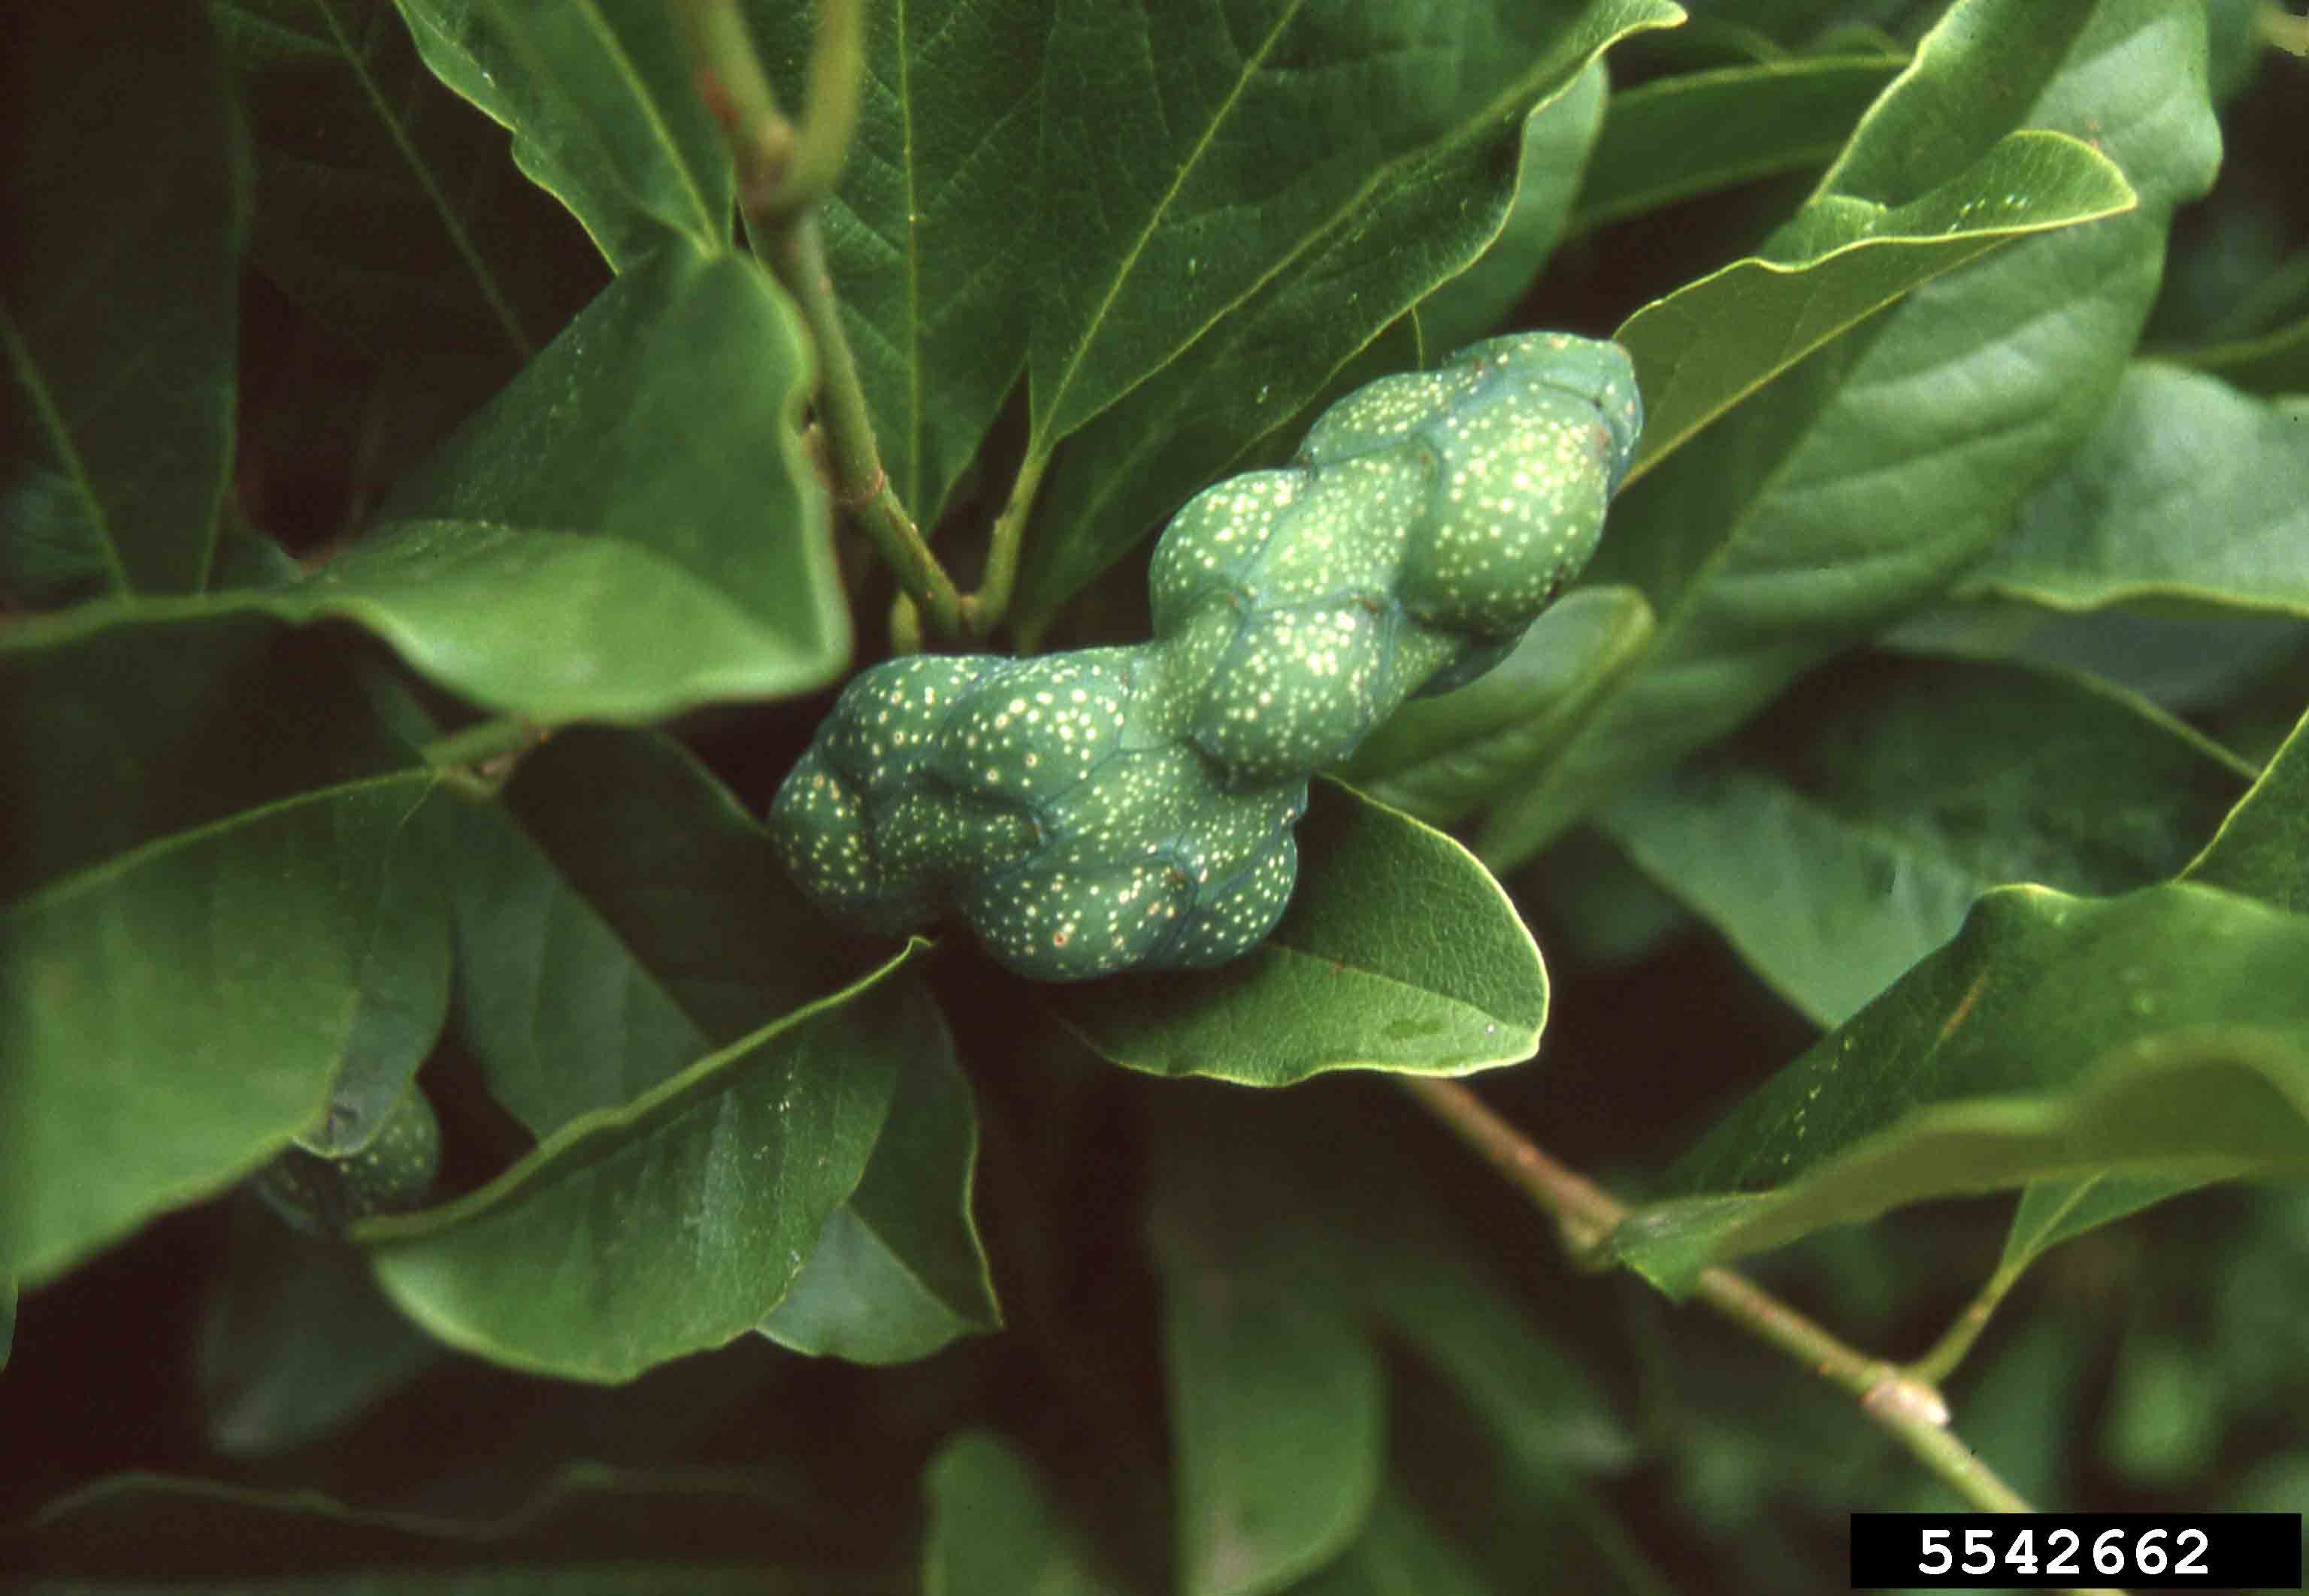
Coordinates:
column 1133, row 808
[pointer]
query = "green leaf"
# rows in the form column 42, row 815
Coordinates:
column 212, row 912
column 1398, row 1551
column 1354, row 977
column 1865, row 479
column 993, row 1528
column 2051, row 1212
column 122, row 202
column 924, row 235
column 2160, row 1035
column 2189, row 490
column 1697, row 131
column 1438, row 758
column 1236, row 300
column 600, row 100
column 1845, row 837
column 296, row 1339
column 619, row 916
column 386, row 206
column 1176, row 179
column 622, row 916
column 588, row 1530
column 184, row 1008
column 1557, row 138
column 634, row 1235
column 628, row 531
column 1323, row 1194
column 2272, row 364
column 1424, row 1285
column 2262, row 848
column 1277, row 1419
column 399, row 1004
column 1839, row 260
column 899, row 1272
column 184, row 725
column 141, row 728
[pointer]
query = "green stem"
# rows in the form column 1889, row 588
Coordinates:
column 991, row 601
column 487, row 740
column 837, row 72
column 781, row 174
column 1908, row 1408
column 1947, row 1353
column 796, row 253
column 2280, row 28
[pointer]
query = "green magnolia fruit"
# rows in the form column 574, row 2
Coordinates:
column 1126, row 808
column 323, row 1195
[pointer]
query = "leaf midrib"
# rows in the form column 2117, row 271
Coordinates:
column 420, row 168
column 1043, row 442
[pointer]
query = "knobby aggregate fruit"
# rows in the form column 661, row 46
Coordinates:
column 394, row 1171
column 1132, row 809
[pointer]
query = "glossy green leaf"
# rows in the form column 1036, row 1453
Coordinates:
column 1401, row 346
column 899, row 1272
column 1411, row 1263
column 1845, row 837
column 140, row 727
column 400, row 1002
column 2189, row 490
column 620, row 916
column 1277, row 1419
column 1176, row 179
column 560, row 1012
column 1840, row 259
column 628, row 531
column 1398, row 1551
column 1424, row 1286
column 588, row 1530
column 184, row 1007
column 602, row 103
column 1867, row 477
column 1323, row 1194
column 1283, row 1207
column 212, row 910
column 2262, row 848
column 296, row 1339
column 1398, row 952
column 386, row 206
column 2274, row 363
column 122, row 203
column 993, row 1528
column 1438, row 758
column 1679, row 136
column 2052, row 1211
column 1325, row 282
column 2160, row 1035
column 1557, row 138
column 673, row 1224
column 924, row 235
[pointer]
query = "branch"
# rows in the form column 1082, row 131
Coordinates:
column 783, row 173
column 1907, row 1407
